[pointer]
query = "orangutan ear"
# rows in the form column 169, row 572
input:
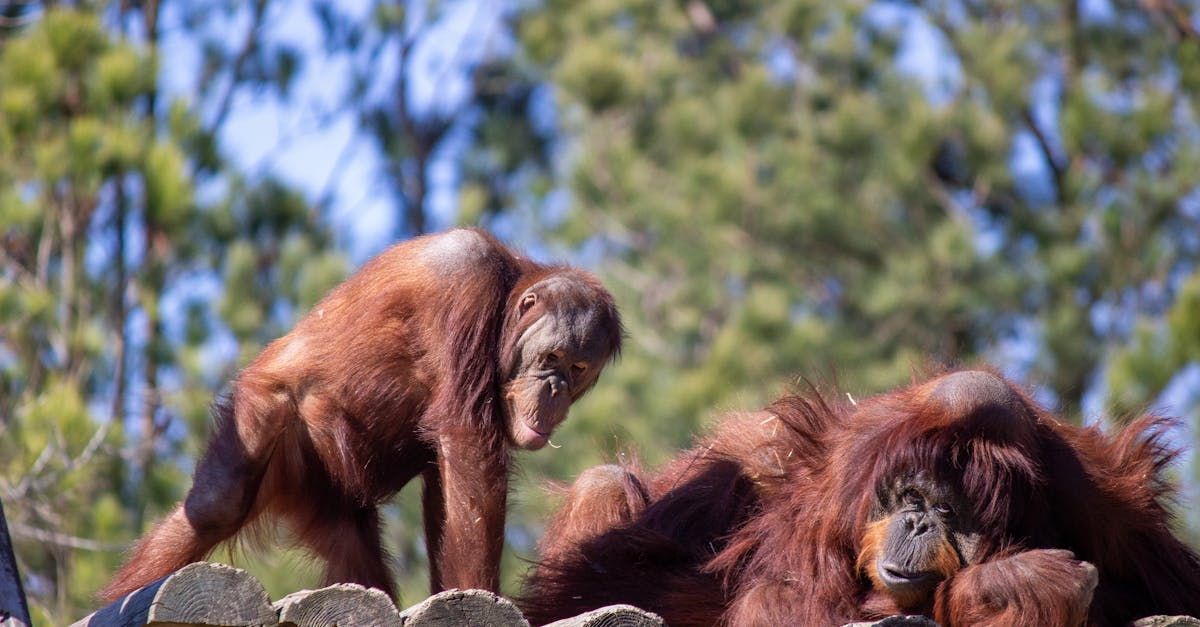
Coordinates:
column 527, row 301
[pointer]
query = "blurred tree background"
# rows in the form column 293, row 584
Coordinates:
column 837, row 190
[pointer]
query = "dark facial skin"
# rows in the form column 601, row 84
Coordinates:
column 926, row 538
column 558, row 358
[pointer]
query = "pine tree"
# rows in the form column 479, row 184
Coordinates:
column 862, row 190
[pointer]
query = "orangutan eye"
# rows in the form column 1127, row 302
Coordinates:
column 943, row 510
column 551, row 358
column 578, row 368
column 527, row 301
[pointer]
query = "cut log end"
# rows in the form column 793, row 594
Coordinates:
column 197, row 594
column 612, row 616
column 1167, row 621
column 344, row 605
column 898, row 621
column 463, row 607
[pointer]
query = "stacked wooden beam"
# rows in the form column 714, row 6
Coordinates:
column 214, row 594
column 206, row 594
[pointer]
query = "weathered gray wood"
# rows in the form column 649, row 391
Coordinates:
column 1167, row 621
column 14, row 612
column 343, row 604
column 921, row 621
column 898, row 621
column 463, row 607
column 197, row 594
column 612, row 616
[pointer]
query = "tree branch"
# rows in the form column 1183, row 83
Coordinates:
column 249, row 45
column 62, row 540
column 1057, row 168
column 1175, row 15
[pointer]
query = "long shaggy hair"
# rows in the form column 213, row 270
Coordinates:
column 764, row 522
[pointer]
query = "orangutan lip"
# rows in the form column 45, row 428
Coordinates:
column 894, row 577
column 544, row 434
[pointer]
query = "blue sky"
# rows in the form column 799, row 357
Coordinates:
column 327, row 157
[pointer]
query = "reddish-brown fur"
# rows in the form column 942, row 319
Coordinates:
column 765, row 522
column 1034, row 587
column 397, row 372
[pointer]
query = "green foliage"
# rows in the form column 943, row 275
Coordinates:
column 1158, row 350
column 767, row 188
column 85, row 163
column 244, row 316
column 775, row 197
column 311, row 271
column 748, row 217
column 121, row 76
column 168, row 190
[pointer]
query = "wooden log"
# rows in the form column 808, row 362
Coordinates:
column 1167, row 621
column 343, row 604
column 197, row 594
column 13, row 610
column 898, row 621
column 612, row 616
column 463, row 607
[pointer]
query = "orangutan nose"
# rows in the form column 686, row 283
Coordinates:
column 556, row 385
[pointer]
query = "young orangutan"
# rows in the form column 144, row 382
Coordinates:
column 435, row 359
